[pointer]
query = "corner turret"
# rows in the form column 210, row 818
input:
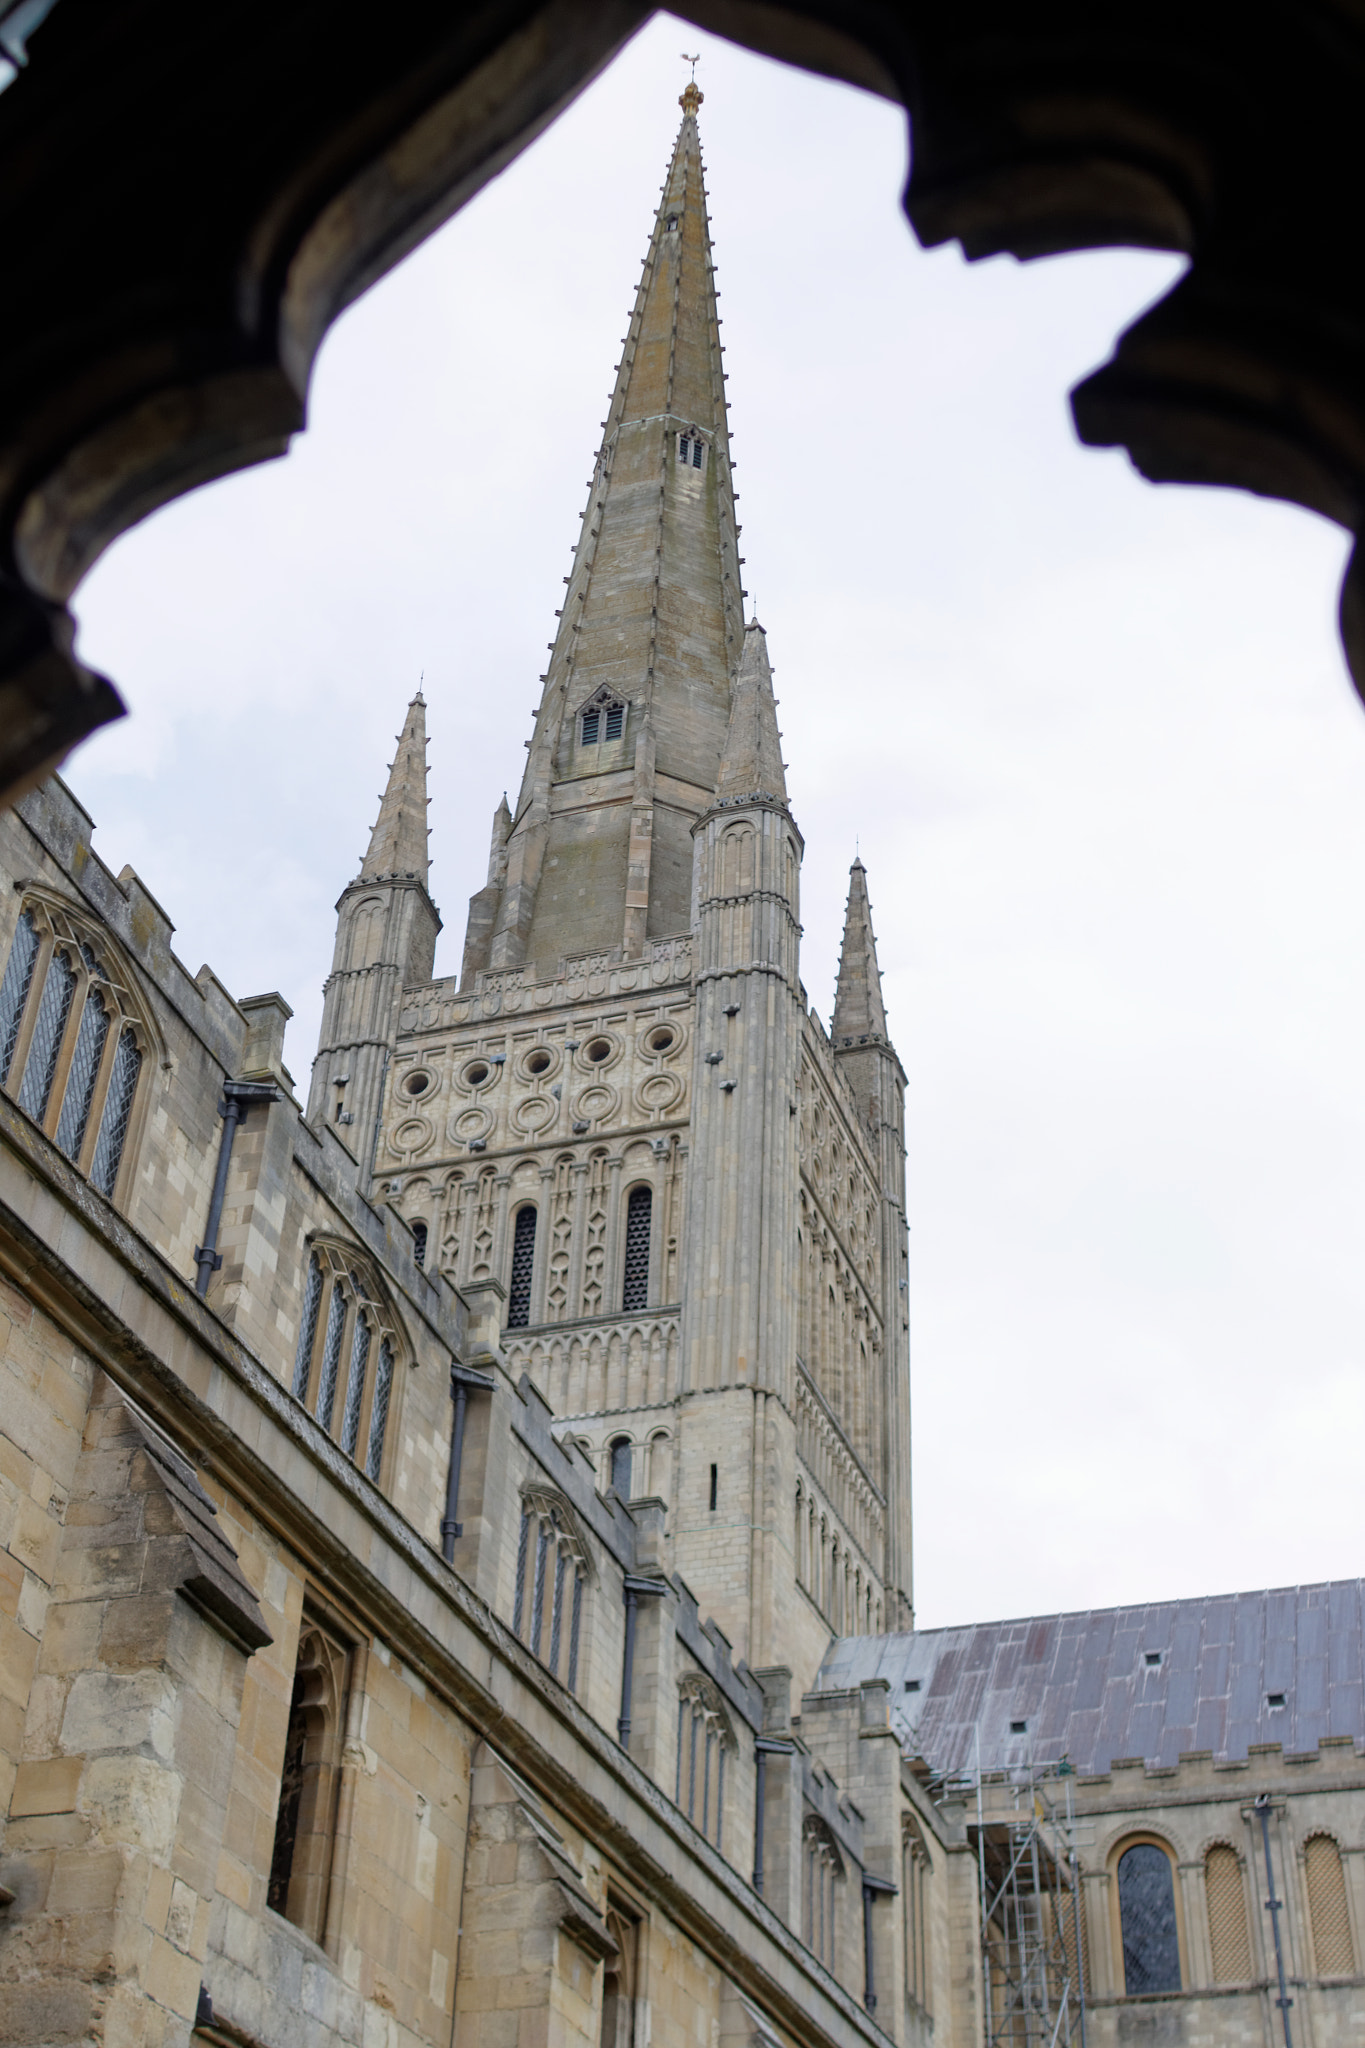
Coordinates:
column 386, row 939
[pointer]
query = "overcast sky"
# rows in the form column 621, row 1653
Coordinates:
column 1094, row 739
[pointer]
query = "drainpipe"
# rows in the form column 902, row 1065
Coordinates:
column 764, row 1747
column 461, row 1381
column 635, row 1590
column 238, row 1097
column 872, row 1886
column 1274, row 1907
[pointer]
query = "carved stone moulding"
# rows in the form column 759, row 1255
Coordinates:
column 185, row 210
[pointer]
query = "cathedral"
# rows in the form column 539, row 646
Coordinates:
column 456, row 1585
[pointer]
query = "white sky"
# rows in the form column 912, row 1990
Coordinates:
column 1095, row 739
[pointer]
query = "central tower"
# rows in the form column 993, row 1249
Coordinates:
column 622, row 1128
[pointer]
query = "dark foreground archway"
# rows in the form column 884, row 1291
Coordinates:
column 189, row 197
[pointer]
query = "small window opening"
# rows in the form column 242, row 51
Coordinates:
column 620, row 1466
column 599, row 1050
column 523, row 1262
column 476, row 1074
column 715, row 1482
column 1274, row 1699
column 419, row 1243
column 672, row 223
column 591, row 723
column 1152, row 1659
column 639, row 1210
column 417, row 1084
column 690, row 448
column 1018, row 1727
column 660, row 1041
column 538, row 1063
column 912, row 1685
column 615, row 717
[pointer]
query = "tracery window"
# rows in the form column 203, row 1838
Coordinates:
column 639, row 1214
column 552, row 1571
column 704, row 1740
column 349, row 1345
column 1151, row 1945
column 523, row 1266
column 301, row 1861
column 72, row 1039
column 1328, row 1914
column 603, row 719
column 822, row 1871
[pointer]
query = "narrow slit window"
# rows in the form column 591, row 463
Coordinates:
column 355, row 1384
column 639, row 1212
column 379, row 1411
column 331, row 1357
column 53, row 1009
column 523, row 1263
column 615, row 718
column 118, row 1108
column 85, row 1066
column 15, row 987
column 419, row 1243
column 620, row 1467
column 308, row 1329
column 591, row 724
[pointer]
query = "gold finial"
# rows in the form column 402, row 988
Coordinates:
column 692, row 95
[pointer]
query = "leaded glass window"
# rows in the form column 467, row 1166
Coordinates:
column 620, row 1466
column 379, row 1411
column 118, row 1108
column 639, row 1211
column 80, row 1082
column 347, row 1353
column 523, row 1265
column 550, row 1572
column 60, row 1008
column 704, row 1735
column 15, row 987
column 54, row 1007
column 1151, row 1948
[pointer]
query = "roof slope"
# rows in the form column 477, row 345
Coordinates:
column 1084, row 1688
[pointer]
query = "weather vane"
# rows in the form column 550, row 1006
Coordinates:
column 694, row 62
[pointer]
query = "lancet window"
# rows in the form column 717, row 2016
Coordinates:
column 348, row 1351
column 639, row 1216
column 73, row 1041
column 821, row 1873
column 523, row 1267
column 690, row 448
column 916, row 1873
column 301, row 1861
column 552, row 1572
column 705, row 1738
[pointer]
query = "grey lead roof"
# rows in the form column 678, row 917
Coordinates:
column 1084, row 1688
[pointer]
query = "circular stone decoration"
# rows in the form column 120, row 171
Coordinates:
column 539, row 1062
column 600, row 1050
column 596, row 1105
column 470, row 1124
column 533, row 1114
column 658, row 1093
column 413, row 1135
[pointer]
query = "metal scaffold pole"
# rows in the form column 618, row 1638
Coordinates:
column 1033, row 1948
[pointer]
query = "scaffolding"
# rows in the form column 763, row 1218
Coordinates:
column 1033, row 1949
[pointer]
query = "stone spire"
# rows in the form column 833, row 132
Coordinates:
column 398, row 843
column 858, row 1009
column 599, row 854
column 752, row 762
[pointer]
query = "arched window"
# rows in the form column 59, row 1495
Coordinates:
column 1225, row 1898
column 603, row 717
column 822, row 1870
column 704, row 1738
column 1151, row 1946
column 916, row 1872
column 547, row 1608
column 523, row 1264
column 419, row 1242
column 348, row 1346
column 300, row 1864
column 71, row 1040
column 639, row 1210
column 1333, row 1950
column 620, row 1466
